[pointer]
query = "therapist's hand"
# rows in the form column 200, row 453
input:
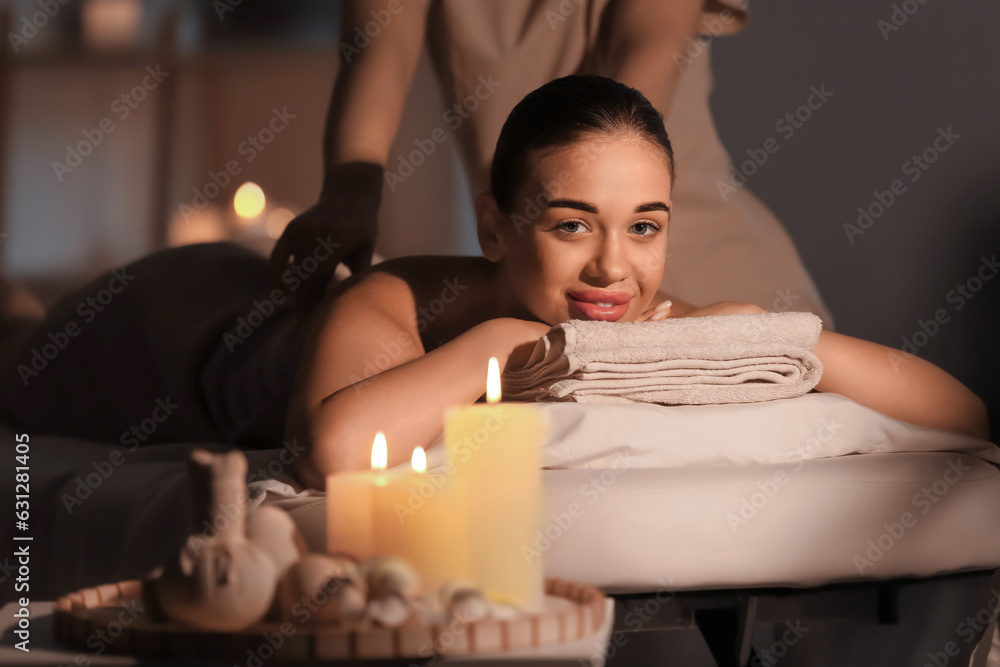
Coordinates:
column 341, row 227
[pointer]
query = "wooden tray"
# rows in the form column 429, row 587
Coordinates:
column 124, row 613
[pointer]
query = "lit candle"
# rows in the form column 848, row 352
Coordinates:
column 495, row 452
column 350, row 498
column 412, row 514
column 419, row 517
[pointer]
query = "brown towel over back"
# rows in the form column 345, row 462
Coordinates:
column 687, row 360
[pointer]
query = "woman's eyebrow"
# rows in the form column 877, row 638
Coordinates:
column 572, row 203
column 652, row 206
column 590, row 208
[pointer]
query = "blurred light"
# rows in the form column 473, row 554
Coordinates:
column 249, row 201
column 277, row 221
column 110, row 24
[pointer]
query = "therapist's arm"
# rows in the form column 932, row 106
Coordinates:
column 648, row 42
column 362, row 121
column 368, row 97
column 899, row 385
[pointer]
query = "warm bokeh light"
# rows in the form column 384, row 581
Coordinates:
column 110, row 24
column 277, row 220
column 249, row 201
column 380, row 452
column 419, row 460
column 493, row 381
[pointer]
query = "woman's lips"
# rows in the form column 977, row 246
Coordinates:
column 598, row 305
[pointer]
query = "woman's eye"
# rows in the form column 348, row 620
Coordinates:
column 572, row 226
column 645, row 228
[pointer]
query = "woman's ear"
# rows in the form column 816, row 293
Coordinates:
column 488, row 221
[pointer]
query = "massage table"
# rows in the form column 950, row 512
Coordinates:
column 735, row 519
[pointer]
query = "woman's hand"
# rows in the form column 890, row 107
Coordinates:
column 666, row 309
column 725, row 308
column 659, row 312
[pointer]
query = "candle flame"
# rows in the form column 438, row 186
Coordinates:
column 380, row 452
column 493, row 381
column 419, row 460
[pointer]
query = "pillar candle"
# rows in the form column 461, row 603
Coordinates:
column 495, row 452
column 421, row 518
column 412, row 514
column 350, row 506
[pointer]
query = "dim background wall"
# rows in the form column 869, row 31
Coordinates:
column 890, row 96
column 938, row 70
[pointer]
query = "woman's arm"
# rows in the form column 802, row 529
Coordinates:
column 366, row 371
column 899, row 385
column 896, row 384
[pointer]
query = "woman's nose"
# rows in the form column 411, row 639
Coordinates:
column 608, row 263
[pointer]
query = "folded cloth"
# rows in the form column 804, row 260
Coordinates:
column 688, row 360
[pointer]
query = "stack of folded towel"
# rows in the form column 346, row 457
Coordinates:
column 689, row 360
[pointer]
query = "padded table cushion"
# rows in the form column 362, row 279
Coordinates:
column 796, row 492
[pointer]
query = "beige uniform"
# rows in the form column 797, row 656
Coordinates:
column 720, row 250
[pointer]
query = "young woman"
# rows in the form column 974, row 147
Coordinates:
column 194, row 344
column 575, row 226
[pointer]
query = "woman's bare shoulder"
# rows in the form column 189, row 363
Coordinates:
column 399, row 286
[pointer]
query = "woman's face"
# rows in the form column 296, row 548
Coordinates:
column 588, row 236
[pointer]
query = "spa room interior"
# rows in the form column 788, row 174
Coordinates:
column 710, row 508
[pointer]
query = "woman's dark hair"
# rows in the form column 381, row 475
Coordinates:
column 559, row 113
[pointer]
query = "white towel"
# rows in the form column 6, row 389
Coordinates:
column 686, row 360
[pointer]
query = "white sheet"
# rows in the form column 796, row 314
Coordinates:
column 783, row 493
